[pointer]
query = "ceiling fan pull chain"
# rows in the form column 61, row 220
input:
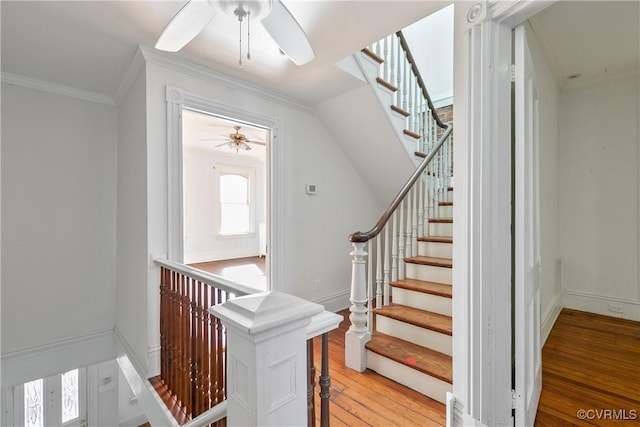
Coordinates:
column 249, row 35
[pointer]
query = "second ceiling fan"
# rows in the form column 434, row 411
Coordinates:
column 274, row 16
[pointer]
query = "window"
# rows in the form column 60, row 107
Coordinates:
column 57, row 400
column 236, row 195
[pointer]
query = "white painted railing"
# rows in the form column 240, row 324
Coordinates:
column 378, row 255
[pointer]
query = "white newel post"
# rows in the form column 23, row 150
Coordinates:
column 266, row 358
column 358, row 334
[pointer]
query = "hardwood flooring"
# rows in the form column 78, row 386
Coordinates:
column 590, row 370
column 368, row 399
column 249, row 271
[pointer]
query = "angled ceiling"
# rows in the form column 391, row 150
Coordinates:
column 596, row 40
column 88, row 45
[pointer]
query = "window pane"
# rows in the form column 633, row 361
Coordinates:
column 234, row 189
column 234, row 218
column 70, row 396
column 33, row 410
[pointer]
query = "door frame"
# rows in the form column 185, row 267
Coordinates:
column 482, row 234
column 177, row 99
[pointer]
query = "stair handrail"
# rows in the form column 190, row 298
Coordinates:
column 363, row 237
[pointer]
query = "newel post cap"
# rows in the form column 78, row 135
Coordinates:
column 265, row 311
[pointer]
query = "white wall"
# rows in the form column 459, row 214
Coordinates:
column 315, row 247
column 58, row 218
column 431, row 43
column 598, row 193
column 132, row 254
column 201, row 239
column 548, row 95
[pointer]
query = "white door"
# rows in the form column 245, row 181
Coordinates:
column 528, row 372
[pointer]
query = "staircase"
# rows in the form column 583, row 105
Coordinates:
column 401, row 324
column 411, row 341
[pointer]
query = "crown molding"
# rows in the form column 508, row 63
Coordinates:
column 201, row 72
column 85, row 95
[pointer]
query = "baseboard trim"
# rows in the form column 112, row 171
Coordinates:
column 599, row 304
column 153, row 362
column 59, row 356
column 335, row 302
column 550, row 316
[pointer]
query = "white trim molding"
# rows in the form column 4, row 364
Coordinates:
column 201, row 72
column 137, row 63
column 550, row 316
column 336, row 301
column 599, row 304
column 85, row 95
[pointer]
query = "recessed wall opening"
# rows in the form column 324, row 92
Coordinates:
column 225, row 197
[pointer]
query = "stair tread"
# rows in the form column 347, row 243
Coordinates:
column 411, row 134
column 428, row 260
column 441, row 220
column 372, row 55
column 386, row 84
column 414, row 316
column 400, row 111
column 425, row 287
column 436, row 239
column 449, row 188
column 422, row 359
column 445, row 203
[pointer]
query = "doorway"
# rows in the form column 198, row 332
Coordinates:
column 225, row 197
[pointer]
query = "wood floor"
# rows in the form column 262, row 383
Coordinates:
column 590, row 363
column 369, row 399
column 249, row 271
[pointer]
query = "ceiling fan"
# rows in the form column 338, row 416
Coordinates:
column 275, row 17
column 238, row 141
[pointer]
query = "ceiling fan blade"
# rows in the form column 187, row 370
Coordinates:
column 220, row 145
column 256, row 142
column 187, row 24
column 288, row 34
column 244, row 146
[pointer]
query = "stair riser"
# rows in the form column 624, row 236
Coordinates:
column 415, row 334
column 444, row 229
column 435, row 249
column 429, row 273
column 418, row 381
column 445, row 211
column 422, row 301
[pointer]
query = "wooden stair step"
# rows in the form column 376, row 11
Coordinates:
column 436, row 239
column 441, row 220
column 372, row 55
column 422, row 286
column 449, row 188
column 413, row 316
column 422, row 359
column 427, row 260
column 445, row 203
column 400, row 111
column 411, row 134
column 386, row 84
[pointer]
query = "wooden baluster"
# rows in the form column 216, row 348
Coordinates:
column 311, row 413
column 163, row 325
column 221, row 353
column 195, row 322
column 205, row 354
column 325, row 382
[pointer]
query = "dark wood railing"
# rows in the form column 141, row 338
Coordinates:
column 193, row 345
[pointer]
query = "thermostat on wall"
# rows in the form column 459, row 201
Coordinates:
column 311, row 189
